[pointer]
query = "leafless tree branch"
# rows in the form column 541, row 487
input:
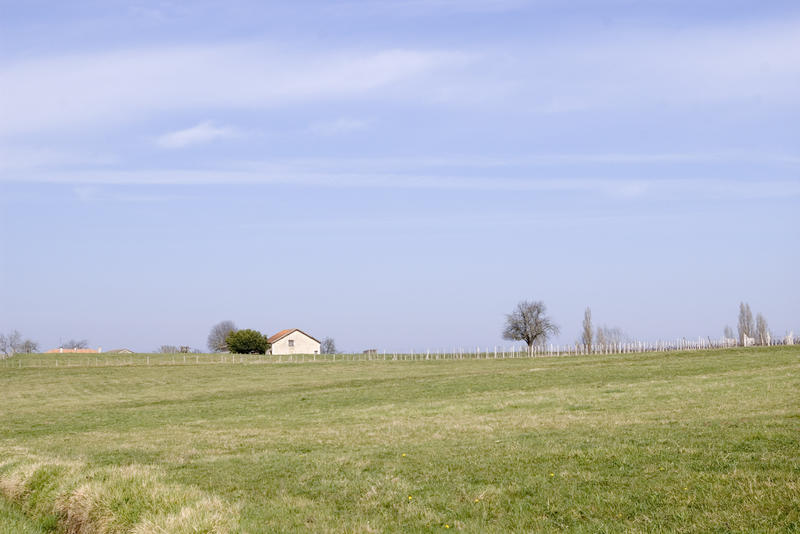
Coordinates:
column 529, row 323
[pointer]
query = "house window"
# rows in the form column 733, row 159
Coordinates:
column 291, row 342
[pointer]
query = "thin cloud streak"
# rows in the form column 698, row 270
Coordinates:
column 457, row 222
column 619, row 188
column 85, row 89
column 23, row 158
column 757, row 62
column 546, row 159
column 27, row 158
column 343, row 125
column 416, row 8
column 94, row 193
column 202, row 133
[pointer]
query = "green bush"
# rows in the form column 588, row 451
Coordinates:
column 247, row 342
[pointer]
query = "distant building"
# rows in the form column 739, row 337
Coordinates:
column 120, row 351
column 62, row 350
column 293, row 341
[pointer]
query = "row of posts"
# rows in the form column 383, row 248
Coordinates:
column 455, row 354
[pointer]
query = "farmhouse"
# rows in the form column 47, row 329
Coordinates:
column 293, row 341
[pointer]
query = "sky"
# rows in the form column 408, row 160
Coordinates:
column 396, row 175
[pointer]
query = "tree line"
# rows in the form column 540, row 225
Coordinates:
column 750, row 332
column 529, row 322
column 13, row 343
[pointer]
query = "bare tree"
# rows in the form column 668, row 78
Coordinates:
column 328, row 346
column 10, row 343
column 76, row 344
column 529, row 323
column 167, row 349
column 610, row 336
column 29, row 347
column 587, row 334
column 746, row 325
column 762, row 330
column 729, row 333
column 219, row 332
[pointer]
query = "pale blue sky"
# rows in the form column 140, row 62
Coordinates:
column 396, row 174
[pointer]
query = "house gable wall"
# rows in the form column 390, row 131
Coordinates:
column 302, row 344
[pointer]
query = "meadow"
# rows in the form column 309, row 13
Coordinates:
column 680, row 442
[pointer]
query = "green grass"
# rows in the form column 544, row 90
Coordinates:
column 13, row 521
column 683, row 442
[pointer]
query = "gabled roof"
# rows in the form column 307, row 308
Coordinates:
column 283, row 333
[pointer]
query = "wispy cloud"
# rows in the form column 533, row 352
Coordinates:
column 94, row 193
column 15, row 158
column 342, row 125
column 551, row 159
column 204, row 132
column 628, row 69
column 83, row 89
column 414, row 8
column 305, row 175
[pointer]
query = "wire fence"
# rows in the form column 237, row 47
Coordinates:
column 67, row 360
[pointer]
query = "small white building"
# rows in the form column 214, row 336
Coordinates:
column 293, row 341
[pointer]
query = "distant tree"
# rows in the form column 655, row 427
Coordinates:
column 29, row 347
column 746, row 325
column 10, row 343
column 762, row 331
column 586, row 335
column 529, row 323
column 219, row 332
column 610, row 336
column 328, row 346
column 168, row 349
column 76, row 344
column 247, row 341
column 729, row 333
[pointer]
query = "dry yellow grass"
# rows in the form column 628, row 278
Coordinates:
column 110, row 500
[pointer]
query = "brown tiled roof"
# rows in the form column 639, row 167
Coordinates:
column 279, row 335
column 283, row 333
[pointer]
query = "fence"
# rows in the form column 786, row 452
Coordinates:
column 66, row 360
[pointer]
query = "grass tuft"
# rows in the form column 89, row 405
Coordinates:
column 111, row 500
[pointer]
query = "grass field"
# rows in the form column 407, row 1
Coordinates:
column 682, row 442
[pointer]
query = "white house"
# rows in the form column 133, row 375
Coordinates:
column 293, row 341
